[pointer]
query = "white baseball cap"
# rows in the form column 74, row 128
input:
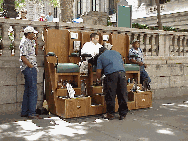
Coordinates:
column 30, row 29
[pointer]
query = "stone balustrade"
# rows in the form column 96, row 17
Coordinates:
column 153, row 42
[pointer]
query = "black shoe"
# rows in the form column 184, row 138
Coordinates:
column 122, row 117
column 108, row 116
column 148, row 87
column 34, row 117
column 24, row 115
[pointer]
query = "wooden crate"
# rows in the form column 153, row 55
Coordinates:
column 76, row 107
column 143, row 99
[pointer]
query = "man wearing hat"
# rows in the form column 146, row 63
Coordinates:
column 28, row 64
column 110, row 61
column 136, row 57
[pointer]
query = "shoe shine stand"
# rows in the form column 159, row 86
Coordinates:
column 61, row 63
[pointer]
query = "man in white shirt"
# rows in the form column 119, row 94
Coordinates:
column 91, row 47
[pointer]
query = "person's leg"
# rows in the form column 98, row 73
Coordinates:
column 110, row 92
column 32, row 92
column 25, row 107
column 144, row 75
column 122, row 94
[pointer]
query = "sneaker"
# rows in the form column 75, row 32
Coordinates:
column 122, row 117
column 108, row 116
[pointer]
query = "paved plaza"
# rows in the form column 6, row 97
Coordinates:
column 167, row 120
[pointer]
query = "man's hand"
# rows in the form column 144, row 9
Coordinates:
column 35, row 38
column 145, row 65
column 140, row 64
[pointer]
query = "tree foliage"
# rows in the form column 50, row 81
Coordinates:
column 21, row 3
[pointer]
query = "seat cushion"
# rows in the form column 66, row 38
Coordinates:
column 131, row 67
column 67, row 68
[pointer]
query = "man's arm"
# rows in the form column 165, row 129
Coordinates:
column 98, row 73
column 25, row 61
column 136, row 62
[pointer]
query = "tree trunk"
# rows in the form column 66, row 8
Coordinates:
column 9, row 9
column 66, row 10
column 158, row 15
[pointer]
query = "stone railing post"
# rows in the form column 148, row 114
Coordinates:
column 185, row 46
column 171, row 46
column 161, row 44
column 181, row 46
column 5, row 40
column 17, row 29
column 167, row 45
column 142, row 46
column 153, row 45
column 147, row 45
column 176, row 48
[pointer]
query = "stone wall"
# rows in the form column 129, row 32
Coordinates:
column 169, row 76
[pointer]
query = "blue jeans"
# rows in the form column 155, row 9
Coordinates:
column 30, row 93
column 144, row 75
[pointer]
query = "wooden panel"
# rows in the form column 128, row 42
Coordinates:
column 81, row 107
column 96, row 89
column 119, row 42
column 71, row 108
column 116, row 104
column 131, row 105
column 57, row 42
column 133, row 74
column 60, row 107
column 97, row 109
column 143, row 99
column 85, row 37
column 74, row 59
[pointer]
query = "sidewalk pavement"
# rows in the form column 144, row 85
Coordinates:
column 167, row 120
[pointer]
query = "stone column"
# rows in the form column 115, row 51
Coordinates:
column 5, row 40
column 17, row 29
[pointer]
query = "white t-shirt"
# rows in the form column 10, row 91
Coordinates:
column 90, row 48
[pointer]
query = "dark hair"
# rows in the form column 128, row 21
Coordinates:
column 25, row 34
column 101, row 50
column 93, row 35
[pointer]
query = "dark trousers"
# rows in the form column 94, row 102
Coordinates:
column 116, row 83
column 144, row 75
column 30, row 93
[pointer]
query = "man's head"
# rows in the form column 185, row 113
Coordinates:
column 94, row 37
column 101, row 50
column 29, row 32
column 50, row 13
column 136, row 44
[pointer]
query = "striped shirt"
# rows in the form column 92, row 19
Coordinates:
column 138, row 53
column 27, row 49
